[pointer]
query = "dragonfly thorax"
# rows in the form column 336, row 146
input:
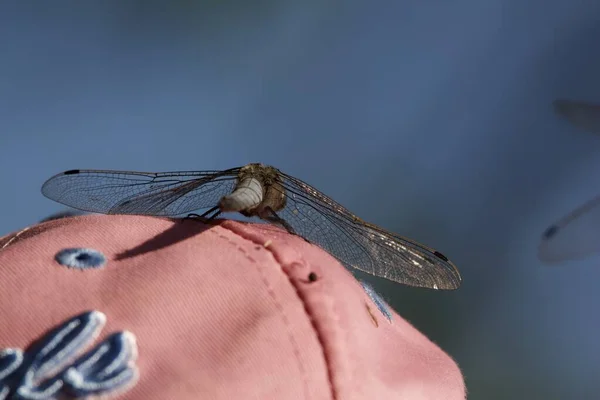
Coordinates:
column 258, row 189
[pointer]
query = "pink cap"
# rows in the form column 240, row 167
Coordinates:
column 131, row 307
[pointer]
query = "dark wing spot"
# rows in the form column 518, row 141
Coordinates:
column 440, row 256
column 71, row 172
column 550, row 232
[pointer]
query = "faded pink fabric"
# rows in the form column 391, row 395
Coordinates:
column 222, row 311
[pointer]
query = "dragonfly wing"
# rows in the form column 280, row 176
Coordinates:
column 139, row 193
column 585, row 116
column 574, row 237
column 366, row 247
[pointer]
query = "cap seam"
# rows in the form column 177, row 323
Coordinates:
column 286, row 321
column 317, row 331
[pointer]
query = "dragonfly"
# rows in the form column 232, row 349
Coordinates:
column 263, row 191
column 583, row 115
column 574, row 236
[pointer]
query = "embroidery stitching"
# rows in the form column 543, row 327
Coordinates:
column 54, row 367
column 14, row 237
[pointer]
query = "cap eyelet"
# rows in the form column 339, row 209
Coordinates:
column 80, row 258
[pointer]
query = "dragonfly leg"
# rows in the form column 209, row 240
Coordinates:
column 272, row 217
column 214, row 210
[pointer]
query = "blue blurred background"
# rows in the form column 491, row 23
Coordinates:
column 432, row 119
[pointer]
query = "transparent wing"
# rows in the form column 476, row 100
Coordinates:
column 140, row 193
column 358, row 244
column 585, row 116
column 574, row 237
column 314, row 216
